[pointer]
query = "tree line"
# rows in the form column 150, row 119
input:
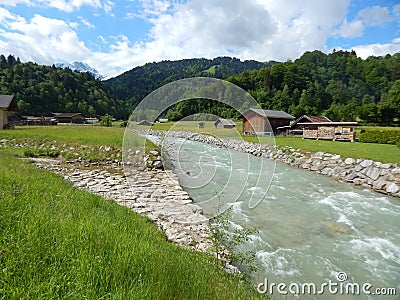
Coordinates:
column 40, row 90
column 338, row 85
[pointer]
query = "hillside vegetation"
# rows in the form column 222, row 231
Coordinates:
column 339, row 85
column 40, row 90
column 132, row 86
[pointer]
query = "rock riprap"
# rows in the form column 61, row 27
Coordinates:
column 154, row 193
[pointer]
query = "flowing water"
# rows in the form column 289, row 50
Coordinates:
column 310, row 227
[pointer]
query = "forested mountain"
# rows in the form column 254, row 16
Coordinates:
column 339, row 85
column 40, row 90
column 132, row 86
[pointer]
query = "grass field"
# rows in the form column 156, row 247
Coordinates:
column 88, row 135
column 58, row 242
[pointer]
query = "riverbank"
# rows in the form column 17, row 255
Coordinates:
column 381, row 177
column 63, row 241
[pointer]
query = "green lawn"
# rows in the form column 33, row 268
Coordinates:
column 88, row 135
column 378, row 152
column 58, row 242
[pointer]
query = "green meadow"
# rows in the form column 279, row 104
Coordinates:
column 59, row 242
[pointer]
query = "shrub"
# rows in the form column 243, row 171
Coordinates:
column 380, row 136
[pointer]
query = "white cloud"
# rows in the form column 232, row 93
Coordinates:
column 371, row 16
column 375, row 15
column 377, row 49
column 396, row 41
column 86, row 22
column 352, row 29
column 15, row 2
column 42, row 40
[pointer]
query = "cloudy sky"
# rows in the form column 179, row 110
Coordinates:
column 114, row 36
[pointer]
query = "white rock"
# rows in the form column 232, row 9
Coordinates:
column 392, row 188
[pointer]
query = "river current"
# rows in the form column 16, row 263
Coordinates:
column 311, row 228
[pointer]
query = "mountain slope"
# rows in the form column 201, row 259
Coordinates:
column 132, row 86
column 40, row 90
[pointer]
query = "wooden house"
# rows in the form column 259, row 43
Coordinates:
column 8, row 106
column 264, row 122
column 75, row 118
column 224, row 123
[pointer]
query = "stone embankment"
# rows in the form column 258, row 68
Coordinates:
column 154, row 193
column 378, row 176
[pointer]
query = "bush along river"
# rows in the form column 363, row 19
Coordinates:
column 312, row 230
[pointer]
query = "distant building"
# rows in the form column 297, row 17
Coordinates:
column 43, row 121
column 296, row 128
column 201, row 124
column 264, row 122
column 75, row 118
column 163, row 120
column 144, row 123
column 224, row 123
column 335, row 131
column 92, row 120
column 8, row 108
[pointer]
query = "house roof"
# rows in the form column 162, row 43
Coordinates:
column 144, row 123
column 66, row 115
column 311, row 119
column 330, row 123
column 7, row 101
column 225, row 122
column 271, row 114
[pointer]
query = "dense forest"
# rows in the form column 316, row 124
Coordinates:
column 338, row 85
column 40, row 90
column 132, row 86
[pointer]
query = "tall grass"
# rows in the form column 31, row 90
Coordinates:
column 58, row 242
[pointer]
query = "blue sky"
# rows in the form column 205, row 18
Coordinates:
column 114, row 36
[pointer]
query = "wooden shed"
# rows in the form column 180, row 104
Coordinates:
column 264, row 122
column 75, row 118
column 296, row 128
column 8, row 106
column 335, row 131
column 224, row 123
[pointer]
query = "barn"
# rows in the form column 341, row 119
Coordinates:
column 258, row 121
column 8, row 107
column 224, row 123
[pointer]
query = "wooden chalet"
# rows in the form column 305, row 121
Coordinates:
column 8, row 107
column 264, row 122
column 75, row 118
column 224, row 123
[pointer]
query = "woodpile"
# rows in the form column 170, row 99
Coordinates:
column 310, row 134
column 330, row 133
column 326, row 133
